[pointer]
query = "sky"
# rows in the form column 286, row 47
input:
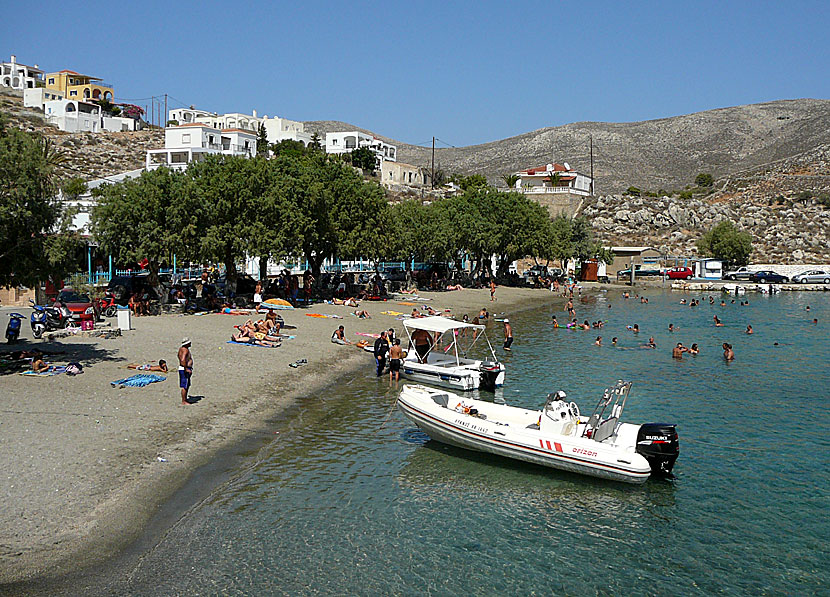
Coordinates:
column 464, row 72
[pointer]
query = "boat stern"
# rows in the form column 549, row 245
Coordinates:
column 659, row 444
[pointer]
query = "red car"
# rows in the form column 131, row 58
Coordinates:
column 77, row 304
column 679, row 273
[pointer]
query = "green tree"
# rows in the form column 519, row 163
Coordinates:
column 363, row 158
column 633, row 191
column 315, row 144
column 554, row 179
column 727, row 243
column 262, row 141
column 288, row 147
column 75, row 187
column 143, row 218
column 34, row 233
column 474, row 181
column 704, row 180
column 510, row 180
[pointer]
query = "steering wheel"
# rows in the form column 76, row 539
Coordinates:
column 574, row 409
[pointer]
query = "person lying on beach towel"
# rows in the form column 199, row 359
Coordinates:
column 38, row 365
column 349, row 302
column 245, row 336
column 362, row 314
column 162, row 366
column 229, row 311
column 455, row 287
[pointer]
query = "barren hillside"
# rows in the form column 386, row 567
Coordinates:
column 653, row 154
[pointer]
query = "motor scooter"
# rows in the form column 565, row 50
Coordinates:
column 13, row 329
column 107, row 305
column 46, row 319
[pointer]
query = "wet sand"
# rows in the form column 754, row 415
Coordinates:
column 86, row 465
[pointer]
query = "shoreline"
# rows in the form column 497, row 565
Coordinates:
column 102, row 534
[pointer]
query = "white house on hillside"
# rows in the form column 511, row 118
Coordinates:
column 37, row 97
column 277, row 129
column 188, row 143
column 73, row 116
column 346, row 142
column 20, row 76
column 554, row 178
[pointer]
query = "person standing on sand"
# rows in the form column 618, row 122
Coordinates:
column 185, row 368
column 508, row 334
column 381, row 348
column 492, row 290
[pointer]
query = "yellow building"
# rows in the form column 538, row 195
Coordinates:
column 79, row 87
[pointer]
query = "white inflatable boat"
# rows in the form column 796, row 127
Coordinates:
column 557, row 436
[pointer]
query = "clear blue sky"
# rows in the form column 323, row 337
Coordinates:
column 466, row 72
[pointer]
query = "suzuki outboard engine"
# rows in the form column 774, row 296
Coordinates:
column 659, row 444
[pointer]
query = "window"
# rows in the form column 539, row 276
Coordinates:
column 73, row 93
column 186, row 138
column 51, row 80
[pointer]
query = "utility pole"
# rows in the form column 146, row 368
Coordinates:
column 592, row 164
column 165, row 111
column 433, row 162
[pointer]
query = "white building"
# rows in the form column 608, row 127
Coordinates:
column 20, row 76
column 73, row 116
column 37, row 97
column 346, row 142
column 117, row 124
column 554, row 178
column 277, row 129
column 188, row 143
column 392, row 173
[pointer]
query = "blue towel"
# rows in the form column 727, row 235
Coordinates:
column 138, row 381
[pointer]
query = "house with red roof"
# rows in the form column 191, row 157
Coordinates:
column 75, row 86
column 554, row 178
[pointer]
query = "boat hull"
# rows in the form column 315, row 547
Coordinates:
column 454, row 378
column 572, row 454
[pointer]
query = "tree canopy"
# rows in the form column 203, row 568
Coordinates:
column 727, row 243
column 36, row 244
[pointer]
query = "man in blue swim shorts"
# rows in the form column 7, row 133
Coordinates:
column 185, row 368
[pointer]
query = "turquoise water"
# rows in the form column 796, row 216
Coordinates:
column 350, row 499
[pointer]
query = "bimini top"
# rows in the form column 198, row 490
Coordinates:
column 437, row 324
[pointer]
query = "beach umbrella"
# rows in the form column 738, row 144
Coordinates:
column 276, row 304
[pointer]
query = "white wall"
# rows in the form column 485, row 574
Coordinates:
column 117, row 124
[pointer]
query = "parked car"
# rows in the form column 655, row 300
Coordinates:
column 679, row 273
column 639, row 271
column 121, row 288
column 768, row 277
column 394, row 274
column 742, row 273
column 815, row 276
column 245, row 286
column 78, row 304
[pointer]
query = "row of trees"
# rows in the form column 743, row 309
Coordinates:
column 315, row 206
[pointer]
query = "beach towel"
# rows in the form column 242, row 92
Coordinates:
column 407, row 304
column 250, row 344
column 321, row 315
column 393, row 313
column 138, row 381
column 368, row 335
column 49, row 372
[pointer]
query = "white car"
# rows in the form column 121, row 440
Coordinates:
column 815, row 276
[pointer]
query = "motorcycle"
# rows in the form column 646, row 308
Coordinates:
column 13, row 329
column 108, row 305
column 46, row 319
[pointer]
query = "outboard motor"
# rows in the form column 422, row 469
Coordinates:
column 659, row 444
column 13, row 329
column 489, row 375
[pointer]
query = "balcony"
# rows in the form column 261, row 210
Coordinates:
column 550, row 190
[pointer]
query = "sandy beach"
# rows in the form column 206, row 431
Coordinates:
column 86, row 465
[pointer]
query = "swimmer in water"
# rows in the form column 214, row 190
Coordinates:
column 651, row 343
column 671, row 327
column 718, row 322
column 694, row 350
column 677, row 351
column 728, row 353
column 749, row 329
column 598, row 341
column 614, row 341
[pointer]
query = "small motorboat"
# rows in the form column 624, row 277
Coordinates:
column 557, row 436
column 449, row 367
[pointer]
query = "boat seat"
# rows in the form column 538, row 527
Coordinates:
column 441, row 399
column 606, row 429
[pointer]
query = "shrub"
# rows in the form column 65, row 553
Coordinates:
column 704, row 180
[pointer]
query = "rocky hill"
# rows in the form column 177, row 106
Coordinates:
column 654, row 154
column 88, row 155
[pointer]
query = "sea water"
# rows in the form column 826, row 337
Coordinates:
column 350, row 498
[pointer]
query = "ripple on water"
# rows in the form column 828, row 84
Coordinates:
column 349, row 499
